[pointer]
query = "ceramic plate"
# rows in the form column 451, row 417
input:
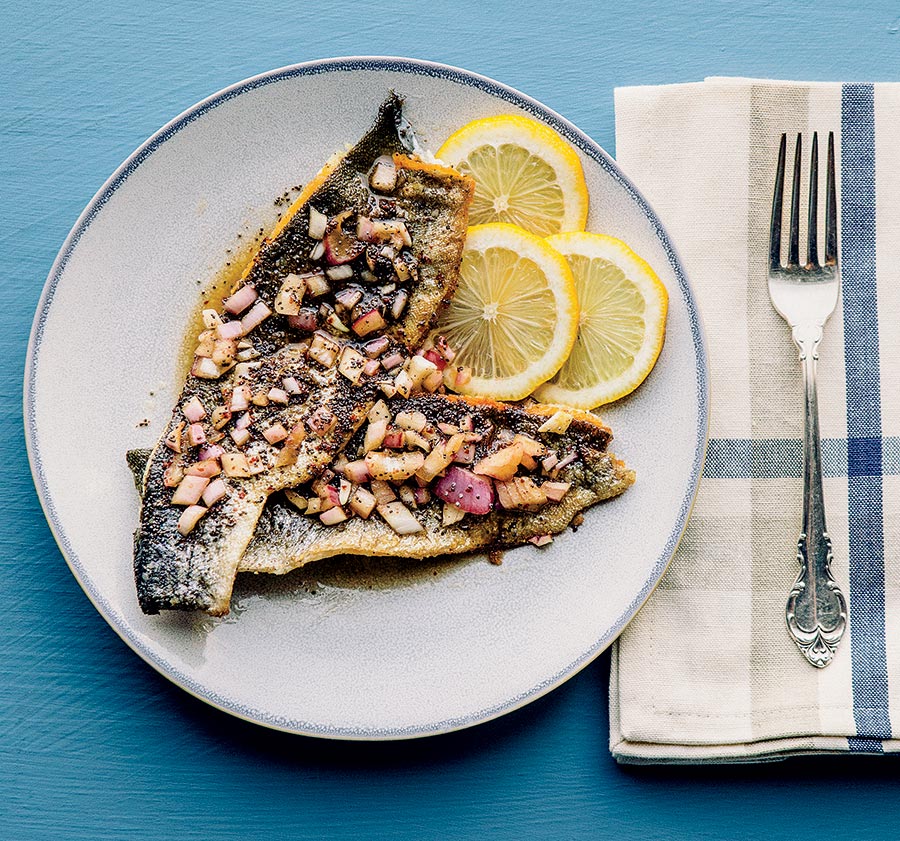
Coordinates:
column 357, row 650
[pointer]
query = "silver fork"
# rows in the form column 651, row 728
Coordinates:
column 805, row 296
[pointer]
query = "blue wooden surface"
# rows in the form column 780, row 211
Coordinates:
column 93, row 743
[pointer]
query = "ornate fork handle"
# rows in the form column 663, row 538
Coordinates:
column 816, row 609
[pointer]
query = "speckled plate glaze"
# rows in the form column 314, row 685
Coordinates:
column 354, row 649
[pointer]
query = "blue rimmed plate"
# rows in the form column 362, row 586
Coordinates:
column 358, row 650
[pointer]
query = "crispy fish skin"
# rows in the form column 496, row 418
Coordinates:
column 286, row 539
column 196, row 571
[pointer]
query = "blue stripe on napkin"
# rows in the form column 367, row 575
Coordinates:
column 864, row 450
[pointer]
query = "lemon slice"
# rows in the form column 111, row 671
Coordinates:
column 524, row 172
column 622, row 324
column 514, row 316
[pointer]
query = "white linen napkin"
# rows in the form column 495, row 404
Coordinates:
column 707, row 671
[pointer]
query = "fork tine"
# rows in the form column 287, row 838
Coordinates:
column 794, row 239
column 777, row 198
column 812, row 248
column 830, row 208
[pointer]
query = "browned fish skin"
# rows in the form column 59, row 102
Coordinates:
column 286, row 539
column 197, row 571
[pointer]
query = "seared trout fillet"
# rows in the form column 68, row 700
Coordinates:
column 323, row 320
column 285, row 538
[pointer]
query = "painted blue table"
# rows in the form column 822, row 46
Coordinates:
column 96, row 745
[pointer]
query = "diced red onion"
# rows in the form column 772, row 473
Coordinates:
column 466, row 454
column 392, row 360
column 237, row 303
column 371, row 367
column 257, row 315
column 193, row 410
column 473, row 494
column 196, row 435
column 369, row 323
column 357, row 472
column 399, row 304
column 399, row 518
column 278, row 395
column 348, row 297
column 555, row 491
column 205, row 369
column 212, row 451
column 230, row 330
column 215, row 490
column 306, row 320
column 244, row 421
column 240, row 399
column 394, row 439
column 189, row 490
column 291, row 386
column 275, row 433
column 566, row 460
column 436, row 358
column 333, row 516
column 207, row 468
column 376, row 347
column 317, row 223
column 189, row 518
column 240, row 436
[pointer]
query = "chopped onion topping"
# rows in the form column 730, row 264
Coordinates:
column 460, row 487
column 212, row 451
column 236, row 466
column 291, row 386
column 275, row 433
column 189, row 518
column 399, row 304
column 451, row 514
column 362, row 502
column 393, row 466
column 379, row 411
column 323, row 349
column 357, row 472
column 290, row 296
column 296, row 499
column 193, row 410
column 394, row 439
column 205, row 369
column 375, row 433
column 206, row 468
column 316, row 284
column 318, row 251
column 211, row 319
column 306, row 320
column 501, row 465
column 440, row 458
column 376, row 347
column 418, row 367
column 348, row 297
column 403, row 383
column 541, row 539
column 189, row 490
column 372, row 367
column 322, row 421
column 352, row 364
column 291, row 446
column 230, row 330
column 244, row 421
column 259, row 312
column 215, row 490
column 317, row 223
column 555, row 491
column 333, row 516
column 565, row 461
column 520, row 492
column 240, row 398
column 341, row 247
column 400, row 518
column 278, row 395
column 196, row 435
column 237, row 303
column 383, row 491
column 173, row 474
column 411, row 420
column 369, row 323
column 343, row 272
column 384, row 175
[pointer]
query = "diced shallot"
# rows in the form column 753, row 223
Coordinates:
column 333, row 516
column 240, row 399
column 369, row 323
column 460, row 487
column 502, row 464
column 230, row 330
column 555, row 491
column 565, row 461
column 374, row 348
column 394, row 439
column 215, row 490
column 384, row 175
column 371, row 368
column 399, row 304
column 240, row 436
column 205, row 369
column 189, row 490
column 212, row 451
column 317, row 223
column 235, row 465
column 189, row 518
column 173, row 439
column 357, row 472
column 275, row 433
column 400, row 518
column 558, row 422
column 393, row 467
column 196, row 435
column 341, row 247
column 237, row 303
column 403, row 383
column 392, row 360
column 322, row 421
column 362, row 502
column 382, row 491
column 323, row 349
column 193, row 410
column 411, row 420
column 306, row 320
column 244, row 421
column 375, row 433
column 352, row 364
column 259, row 312
column 278, row 395
column 207, row 469
column 451, row 514
column 434, row 357
column 291, row 386
column 440, row 458
column 290, row 295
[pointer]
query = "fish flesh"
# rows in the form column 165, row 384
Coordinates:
column 286, row 539
column 358, row 269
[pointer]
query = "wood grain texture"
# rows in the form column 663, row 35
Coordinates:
column 93, row 743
